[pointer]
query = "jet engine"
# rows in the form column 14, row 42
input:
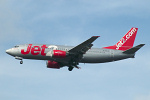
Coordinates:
column 53, row 64
column 58, row 54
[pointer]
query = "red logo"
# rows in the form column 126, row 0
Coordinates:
column 35, row 50
column 125, row 38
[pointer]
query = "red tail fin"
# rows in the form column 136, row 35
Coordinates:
column 126, row 42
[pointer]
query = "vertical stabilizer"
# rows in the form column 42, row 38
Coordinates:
column 126, row 42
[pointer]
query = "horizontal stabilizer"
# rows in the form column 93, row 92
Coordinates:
column 134, row 49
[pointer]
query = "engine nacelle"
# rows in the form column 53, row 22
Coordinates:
column 52, row 64
column 59, row 54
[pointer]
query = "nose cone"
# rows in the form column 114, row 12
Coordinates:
column 12, row 51
column 9, row 51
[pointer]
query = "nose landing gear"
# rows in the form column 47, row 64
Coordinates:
column 21, row 62
column 19, row 58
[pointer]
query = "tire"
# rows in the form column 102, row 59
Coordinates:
column 21, row 62
column 70, row 68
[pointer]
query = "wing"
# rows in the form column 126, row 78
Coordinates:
column 76, row 54
column 83, row 47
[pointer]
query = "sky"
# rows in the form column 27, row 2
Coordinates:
column 70, row 22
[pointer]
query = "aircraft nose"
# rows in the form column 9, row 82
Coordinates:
column 8, row 51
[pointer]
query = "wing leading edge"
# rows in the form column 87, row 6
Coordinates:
column 83, row 47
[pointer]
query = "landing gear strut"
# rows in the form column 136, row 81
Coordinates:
column 19, row 58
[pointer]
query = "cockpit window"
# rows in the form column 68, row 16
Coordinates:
column 16, row 46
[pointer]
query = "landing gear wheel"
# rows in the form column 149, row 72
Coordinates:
column 21, row 62
column 70, row 68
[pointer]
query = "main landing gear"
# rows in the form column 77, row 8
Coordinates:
column 71, row 67
column 73, row 64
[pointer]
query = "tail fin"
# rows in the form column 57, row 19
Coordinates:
column 126, row 42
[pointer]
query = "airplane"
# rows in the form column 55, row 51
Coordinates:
column 58, row 56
